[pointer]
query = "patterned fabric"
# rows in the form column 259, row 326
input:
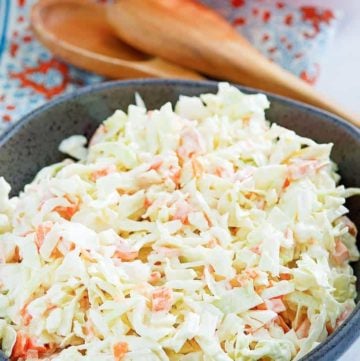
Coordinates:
column 294, row 37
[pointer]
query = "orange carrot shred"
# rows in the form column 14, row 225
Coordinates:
column 126, row 256
column 69, row 211
column 41, row 231
column 120, row 349
column 23, row 345
column 162, row 299
column 94, row 176
column 341, row 253
column 280, row 321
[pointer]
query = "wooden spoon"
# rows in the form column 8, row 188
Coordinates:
column 192, row 35
column 77, row 31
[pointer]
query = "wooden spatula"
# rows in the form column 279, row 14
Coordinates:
column 194, row 36
column 77, row 31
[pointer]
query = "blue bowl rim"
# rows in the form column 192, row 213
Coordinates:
column 349, row 330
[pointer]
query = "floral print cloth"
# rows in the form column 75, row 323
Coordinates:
column 293, row 36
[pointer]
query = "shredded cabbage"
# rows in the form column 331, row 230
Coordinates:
column 195, row 234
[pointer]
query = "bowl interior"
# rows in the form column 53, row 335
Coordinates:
column 33, row 144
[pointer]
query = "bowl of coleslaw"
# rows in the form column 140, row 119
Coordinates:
column 178, row 220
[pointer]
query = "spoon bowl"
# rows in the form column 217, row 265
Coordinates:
column 77, row 32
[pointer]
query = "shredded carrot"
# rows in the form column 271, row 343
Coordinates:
column 242, row 278
column 251, row 273
column 208, row 220
column 329, row 328
column 23, row 345
column 25, row 315
column 304, row 168
column 190, row 144
column 156, row 165
column 255, row 249
column 89, row 328
column 168, row 252
column 147, row 203
column 19, row 349
column 218, row 171
column 120, row 349
column 303, row 330
column 289, row 316
column 182, row 210
column 67, row 212
column 97, row 135
column 175, row 174
column 273, row 304
column 261, row 307
column 50, row 307
column 276, row 305
column 197, row 167
column 39, row 348
column 94, row 176
column 280, row 321
column 341, row 253
column 27, row 319
column 17, row 257
column 259, row 289
column 84, row 302
column 287, row 182
column 285, row 276
column 126, row 255
column 41, row 231
column 350, row 225
column 343, row 316
column 162, row 299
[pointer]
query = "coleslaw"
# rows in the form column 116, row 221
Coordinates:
column 197, row 233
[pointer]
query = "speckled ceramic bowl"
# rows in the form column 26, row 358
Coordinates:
column 33, row 144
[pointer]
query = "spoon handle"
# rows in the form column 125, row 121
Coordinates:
column 192, row 35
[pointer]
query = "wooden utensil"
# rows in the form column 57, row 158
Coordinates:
column 77, row 31
column 190, row 34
